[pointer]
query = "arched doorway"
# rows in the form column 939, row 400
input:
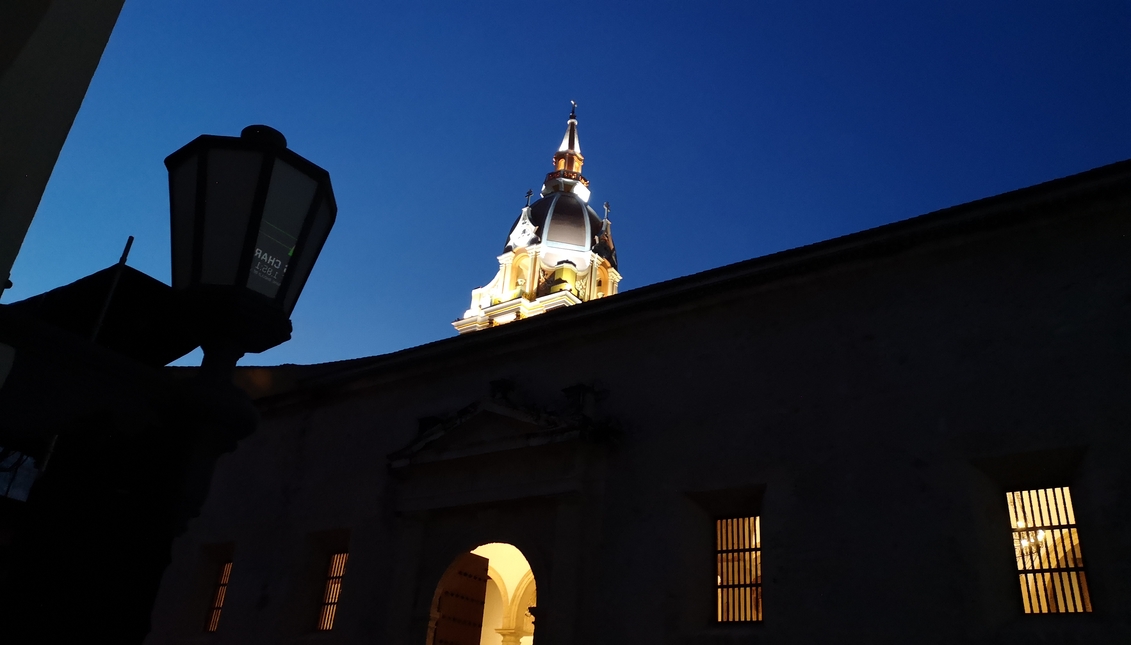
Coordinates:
column 484, row 598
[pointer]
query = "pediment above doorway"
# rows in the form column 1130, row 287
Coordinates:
column 497, row 423
column 497, row 449
column 483, row 427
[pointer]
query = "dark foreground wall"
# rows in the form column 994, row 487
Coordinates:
column 871, row 398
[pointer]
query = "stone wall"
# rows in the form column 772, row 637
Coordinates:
column 871, row 398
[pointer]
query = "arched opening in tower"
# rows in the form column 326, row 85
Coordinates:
column 485, row 598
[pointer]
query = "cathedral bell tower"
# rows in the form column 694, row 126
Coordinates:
column 558, row 252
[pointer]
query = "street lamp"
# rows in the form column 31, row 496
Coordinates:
column 248, row 220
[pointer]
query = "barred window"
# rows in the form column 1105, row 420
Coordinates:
column 1047, row 546
column 738, row 552
column 218, row 595
column 333, row 591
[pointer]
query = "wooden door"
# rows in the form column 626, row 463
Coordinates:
column 458, row 604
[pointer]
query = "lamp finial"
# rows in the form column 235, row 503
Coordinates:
column 264, row 134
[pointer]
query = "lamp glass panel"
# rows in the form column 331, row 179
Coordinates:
column 182, row 186
column 319, row 231
column 288, row 202
column 232, row 179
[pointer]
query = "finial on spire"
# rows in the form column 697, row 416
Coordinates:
column 568, row 157
column 529, row 194
column 607, row 209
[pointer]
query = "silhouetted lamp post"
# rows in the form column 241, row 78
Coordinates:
column 248, row 219
column 125, row 447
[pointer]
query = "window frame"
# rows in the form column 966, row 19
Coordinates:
column 1047, row 547
column 332, row 591
column 218, row 596
column 734, row 537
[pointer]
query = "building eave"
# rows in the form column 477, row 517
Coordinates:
column 316, row 382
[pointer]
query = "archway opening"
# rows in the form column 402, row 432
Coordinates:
column 521, row 272
column 485, row 598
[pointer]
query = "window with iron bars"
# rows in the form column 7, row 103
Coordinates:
column 218, row 595
column 333, row 591
column 738, row 554
column 1050, row 564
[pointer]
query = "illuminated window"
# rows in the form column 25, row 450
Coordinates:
column 333, row 591
column 738, row 552
column 1049, row 562
column 218, row 597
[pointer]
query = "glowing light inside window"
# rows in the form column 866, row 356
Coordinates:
column 218, row 598
column 738, row 553
column 1046, row 543
column 333, row 591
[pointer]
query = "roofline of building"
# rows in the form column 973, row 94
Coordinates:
column 291, row 384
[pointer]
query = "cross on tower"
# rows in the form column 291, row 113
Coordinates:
column 529, row 194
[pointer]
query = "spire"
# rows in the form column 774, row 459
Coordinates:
column 568, row 157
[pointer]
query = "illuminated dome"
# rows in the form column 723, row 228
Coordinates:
column 562, row 220
column 558, row 252
column 568, row 229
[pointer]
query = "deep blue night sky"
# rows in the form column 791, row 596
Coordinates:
column 718, row 131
